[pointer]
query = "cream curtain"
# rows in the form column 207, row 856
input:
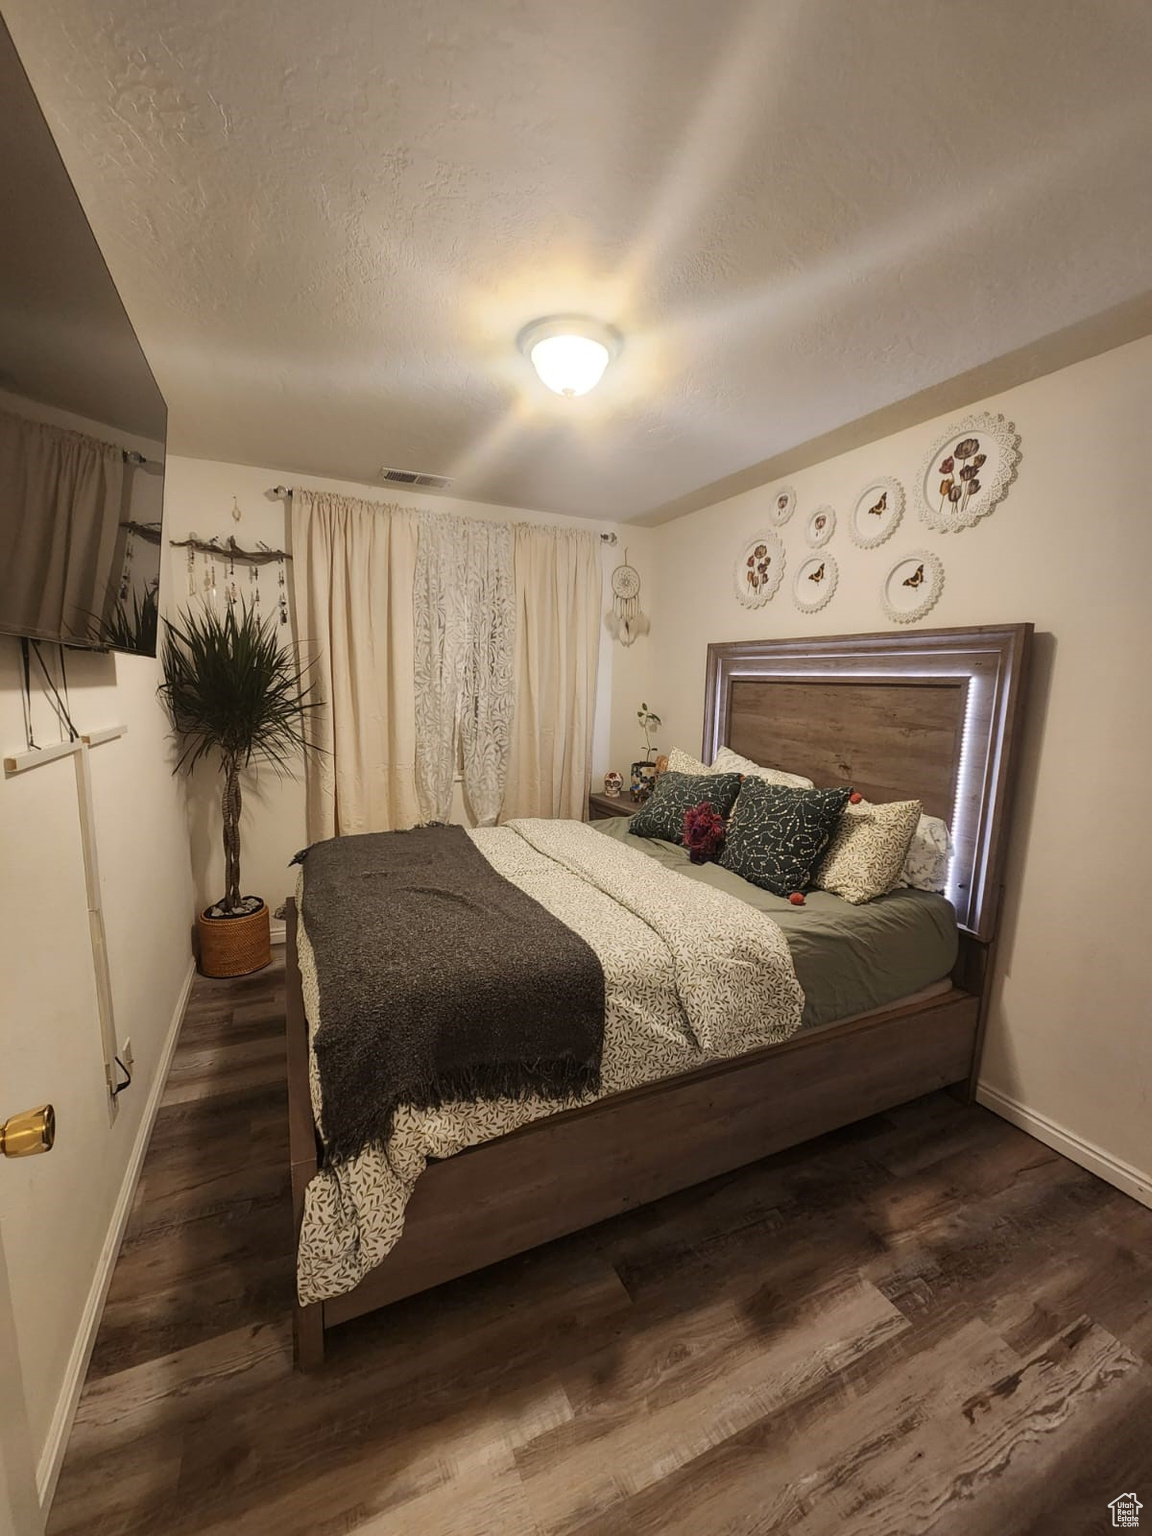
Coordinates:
column 353, row 570
column 465, row 637
column 558, row 594
column 56, row 569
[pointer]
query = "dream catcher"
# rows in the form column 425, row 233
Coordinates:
column 626, row 621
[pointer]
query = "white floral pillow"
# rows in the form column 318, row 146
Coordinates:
column 728, row 761
column 866, row 855
column 929, row 856
column 684, row 762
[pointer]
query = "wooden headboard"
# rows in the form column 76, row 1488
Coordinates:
column 929, row 714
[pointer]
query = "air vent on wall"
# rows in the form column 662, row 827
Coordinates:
column 414, row 478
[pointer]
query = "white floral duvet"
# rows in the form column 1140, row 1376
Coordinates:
column 691, row 974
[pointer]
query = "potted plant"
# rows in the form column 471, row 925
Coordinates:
column 232, row 689
column 644, row 773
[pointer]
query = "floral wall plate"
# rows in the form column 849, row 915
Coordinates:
column 759, row 569
column 912, row 586
column 814, row 582
column 877, row 512
column 782, row 505
column 968, row 471
column 820, row 527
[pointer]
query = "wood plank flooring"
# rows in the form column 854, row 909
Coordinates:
column 925, row 1323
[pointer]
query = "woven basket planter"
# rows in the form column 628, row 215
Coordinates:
column 234, row 946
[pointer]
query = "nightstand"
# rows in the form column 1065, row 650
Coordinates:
column 601, row 806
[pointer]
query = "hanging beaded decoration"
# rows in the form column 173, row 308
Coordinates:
column 126, row 569
column 191, row 568
column 210, row 579
column 283, row 590
column 254, row 588
column 232, row 593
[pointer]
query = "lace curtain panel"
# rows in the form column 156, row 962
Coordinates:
column 558, row 593
column 353, row 574
column 464, row 656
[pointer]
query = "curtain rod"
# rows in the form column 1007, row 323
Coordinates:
column 286, row 490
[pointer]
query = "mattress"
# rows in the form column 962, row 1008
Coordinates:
column 849, row 959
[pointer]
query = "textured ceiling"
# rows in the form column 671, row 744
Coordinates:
column 328, row 222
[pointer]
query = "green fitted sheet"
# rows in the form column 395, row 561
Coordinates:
column 848, row 959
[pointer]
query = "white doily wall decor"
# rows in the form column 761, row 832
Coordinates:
column 781, row 506
column 876, row 512
column 625, row 621
column 759, row 569
column 968, row 472
column 912, row 586
column 815, row 581
column 820, row 527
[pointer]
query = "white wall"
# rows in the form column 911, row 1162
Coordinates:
column 199, row 497
column 58, row 1210
column 1070, row 549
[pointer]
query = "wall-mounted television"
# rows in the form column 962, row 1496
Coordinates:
column 82, row 423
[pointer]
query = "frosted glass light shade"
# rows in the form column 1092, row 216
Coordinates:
column 570, row 365
column 569, row 353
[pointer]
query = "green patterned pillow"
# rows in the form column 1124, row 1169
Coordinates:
column 777, row 836
column 662, row 814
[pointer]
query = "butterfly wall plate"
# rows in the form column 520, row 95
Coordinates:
column 968, row 472
column 876, row 513
column 759, row 569
column 781, row 505
column 912, row 586
column 814, row 582
column 820, row 527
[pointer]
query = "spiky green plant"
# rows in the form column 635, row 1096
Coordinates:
column 130, row 628
column 230, row 687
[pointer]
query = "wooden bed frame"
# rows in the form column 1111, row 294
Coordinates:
column 930, row 714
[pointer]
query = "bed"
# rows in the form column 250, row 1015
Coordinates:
column 930, row 714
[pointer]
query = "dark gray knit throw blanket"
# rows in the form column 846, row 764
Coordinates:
column 439, row 980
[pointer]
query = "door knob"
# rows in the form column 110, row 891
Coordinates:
column 25, row 1135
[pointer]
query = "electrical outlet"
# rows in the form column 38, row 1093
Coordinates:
column 126, row 1053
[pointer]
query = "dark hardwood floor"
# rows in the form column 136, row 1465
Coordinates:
column 926, row 1323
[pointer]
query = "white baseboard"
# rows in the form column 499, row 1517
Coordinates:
column 1111, row 1169
column 278, row 931
column 56, row 1443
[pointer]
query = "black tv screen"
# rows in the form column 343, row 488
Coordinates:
column 82, row 423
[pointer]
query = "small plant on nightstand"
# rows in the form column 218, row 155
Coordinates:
column 644, row 773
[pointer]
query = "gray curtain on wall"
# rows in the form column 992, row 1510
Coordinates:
column 61, row 529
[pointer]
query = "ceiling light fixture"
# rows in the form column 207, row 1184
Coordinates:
column 569, row 352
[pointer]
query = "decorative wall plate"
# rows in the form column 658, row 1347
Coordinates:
column 759, row 569
column 781, row 506
column 968, row 471
column 820, row 527
column 877, row 512
column 814, row 582
column 912, row 586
